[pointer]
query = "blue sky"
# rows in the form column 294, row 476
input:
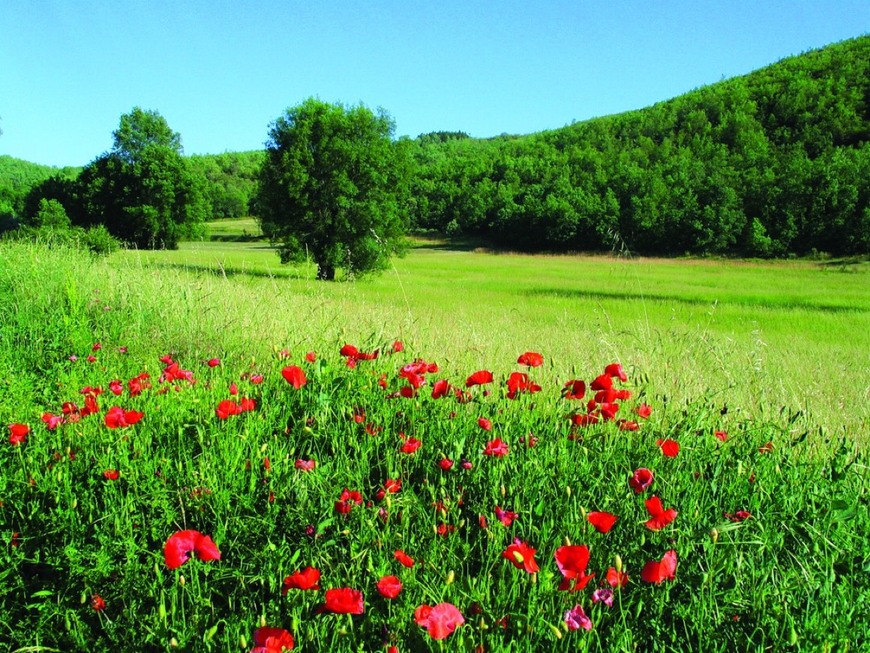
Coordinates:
column 221, row 71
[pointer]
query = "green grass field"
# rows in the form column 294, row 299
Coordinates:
column 767, row 337
column 148, row 395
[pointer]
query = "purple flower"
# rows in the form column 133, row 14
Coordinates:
column 603, row 595
column 575, row 619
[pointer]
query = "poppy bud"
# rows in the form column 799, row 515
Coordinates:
column 714, row 534
column 243, row 642
column 75, row 503
column 262, row 621
column 450, row 576
column 482, row 624
column 161, row 609
column 568, row 490
column 389, row 502
column 173, row 643
column 739, row 468
column 83, row 598
column 66, row 623
column 263, row 447
column 503, row 491
column 211, row 632
column 535, row 578
column 556, row 632
column 181, row 581
column 792, row 637
column 618, row 563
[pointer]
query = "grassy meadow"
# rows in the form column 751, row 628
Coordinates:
column 203, row 390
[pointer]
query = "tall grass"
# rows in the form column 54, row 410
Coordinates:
column 791, row 574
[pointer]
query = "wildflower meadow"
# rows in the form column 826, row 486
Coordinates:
column 176, row 478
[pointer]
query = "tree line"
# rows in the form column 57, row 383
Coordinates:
column 769, row 164
column 773, row 163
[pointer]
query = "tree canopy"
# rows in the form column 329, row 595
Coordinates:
column 333, row 187
column 142, row 190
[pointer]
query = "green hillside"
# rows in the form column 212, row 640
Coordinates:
column 771, row 163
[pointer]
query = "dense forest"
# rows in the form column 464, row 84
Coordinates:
column 769, row 164
column 772, row 163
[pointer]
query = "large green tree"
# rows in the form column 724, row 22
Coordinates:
column 333, row 187
column 143, row 190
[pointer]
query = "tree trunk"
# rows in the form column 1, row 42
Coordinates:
column 325, row 272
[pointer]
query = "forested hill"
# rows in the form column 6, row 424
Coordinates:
column 17, row 177
column 772, row 163
column 767, row 164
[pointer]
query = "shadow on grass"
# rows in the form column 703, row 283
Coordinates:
column 564, row 293
column 230, row 272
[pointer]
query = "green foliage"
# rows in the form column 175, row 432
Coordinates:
column 768, row 164
column 18, row 177
column 52, row 215
column 333, row 187
column 143, row 190
column 230, row 181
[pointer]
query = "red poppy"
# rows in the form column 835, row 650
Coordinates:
column 398, row 347
column 519, row 382
column 445, row 464
column 226, row 408
column 480, row 377
column 603, row 382
column 310, row 357
column 506, row 517
column 659, row 517
column 213, row 362
column 307, row 579
column 52, row 421
column 257, row 379
column 583, row 419
column 641, row 480
column 614, row 370
column 440, row 389
column 247, row 404
column 722, row 436
column 575, row 389
column 659, row 571
column 628, row 425
column 531, row 359
column 111, row 474
column 347, row 500
column 644, row 410
column 294, row 375
column 670, row 448
column 615, row 578
column 344, row 600
column 180, row 545
column 272, row 640
column 18, row 433
column 410, row 445
column 767, row 447
column 389, row 587
column 404, row 558
column 304, row 464
column 438, row 620
column 521, row 556
column 349, row 350
column 97, row 603
column 497, row 448
column 117, row 417
column 602, row 521
column 484, row 423
column 738, row 516
column 116, row 387
column 608, row 412
column 572, row 561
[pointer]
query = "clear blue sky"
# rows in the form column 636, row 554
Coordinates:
column 221, row 71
